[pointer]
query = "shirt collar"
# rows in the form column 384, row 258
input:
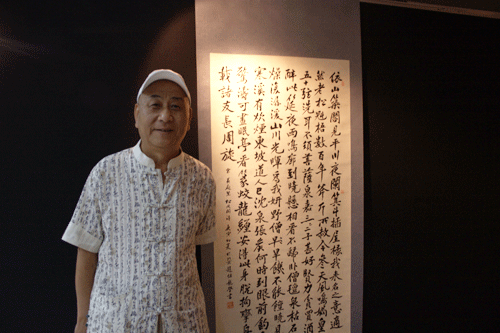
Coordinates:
column 148, row 162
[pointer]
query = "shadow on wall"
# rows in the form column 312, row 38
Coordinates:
column 175, row 48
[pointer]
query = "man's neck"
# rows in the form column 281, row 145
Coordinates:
column 161, row 157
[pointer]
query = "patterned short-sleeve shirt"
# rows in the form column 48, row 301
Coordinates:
column 145, row 231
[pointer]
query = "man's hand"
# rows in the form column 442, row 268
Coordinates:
column 81, row 328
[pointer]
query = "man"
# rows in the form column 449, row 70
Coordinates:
column 136, row 224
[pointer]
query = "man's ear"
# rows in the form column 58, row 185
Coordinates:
column 136, row 114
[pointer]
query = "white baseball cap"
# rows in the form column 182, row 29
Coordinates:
column 165, row 74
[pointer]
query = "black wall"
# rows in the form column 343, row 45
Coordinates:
column 68, row 78
column 431, row 116
column 69, row 75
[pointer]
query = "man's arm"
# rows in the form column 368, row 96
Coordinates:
column 86, row 264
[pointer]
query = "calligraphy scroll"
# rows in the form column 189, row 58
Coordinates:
column 282, row 162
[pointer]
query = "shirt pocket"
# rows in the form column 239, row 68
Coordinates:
column 112, row 285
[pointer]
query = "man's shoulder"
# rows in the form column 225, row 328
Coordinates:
column 190, row 160
column 196, row 165
column 114, row 159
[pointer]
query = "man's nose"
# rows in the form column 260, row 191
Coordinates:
column 165, row 114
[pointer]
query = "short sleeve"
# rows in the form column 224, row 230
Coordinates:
column 206, row 230
column 85, row 228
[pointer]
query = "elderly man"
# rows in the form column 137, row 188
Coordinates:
column 136, row 224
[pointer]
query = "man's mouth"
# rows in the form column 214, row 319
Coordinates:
column 164, row 130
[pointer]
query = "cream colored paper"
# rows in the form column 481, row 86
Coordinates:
column 282, row 162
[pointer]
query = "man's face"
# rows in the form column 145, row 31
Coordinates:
column 162, row 116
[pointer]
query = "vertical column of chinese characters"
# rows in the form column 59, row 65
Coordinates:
column 293, row 200
column 276, row 243
column 309, row 200
column 243, row 210
column 229, row 258
column 321, row 231
column 260, row 181
column 334, row 108
column 227, row 155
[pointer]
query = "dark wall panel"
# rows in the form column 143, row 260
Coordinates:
column 430, row 91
